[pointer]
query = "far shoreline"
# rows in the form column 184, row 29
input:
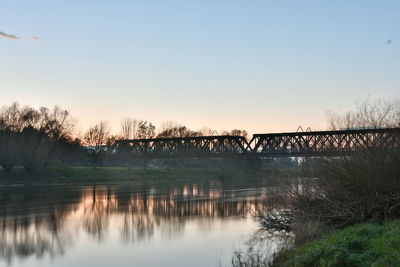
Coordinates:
column 123, row 175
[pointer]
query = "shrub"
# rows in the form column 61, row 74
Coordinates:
column 352, row 189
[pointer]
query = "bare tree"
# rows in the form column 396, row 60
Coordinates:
column 171, row 129
column 10, row 129
column 126, row 129
column 56, row 124
column 129, row 128
column 166, row 125
column 31, row 136
column 146, row 130
column 236, row 132
column 96, row 138
column 43, row 130
column 368, row 114
column 206, row 131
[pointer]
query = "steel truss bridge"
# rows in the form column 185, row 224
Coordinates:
column 291, row 144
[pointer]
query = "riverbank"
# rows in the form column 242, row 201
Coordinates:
column 105, row 175
column 365, row 244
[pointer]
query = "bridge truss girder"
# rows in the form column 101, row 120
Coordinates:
column 318, row 143
column 324, row 142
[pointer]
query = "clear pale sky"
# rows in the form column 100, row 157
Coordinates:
column 265, row 66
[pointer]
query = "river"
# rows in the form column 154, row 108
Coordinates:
column 127, row 224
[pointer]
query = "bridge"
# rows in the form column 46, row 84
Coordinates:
column 291, row 144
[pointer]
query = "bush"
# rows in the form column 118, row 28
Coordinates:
column 353, row 189
column 358, row 188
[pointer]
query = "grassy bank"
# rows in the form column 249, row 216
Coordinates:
column 360, row 245
column 78, row 175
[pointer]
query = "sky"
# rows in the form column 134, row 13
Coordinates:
column 264, row 66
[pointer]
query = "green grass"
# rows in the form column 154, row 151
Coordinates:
column 360, row 245
column 78, row 175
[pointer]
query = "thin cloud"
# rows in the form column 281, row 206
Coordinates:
column 8, row 36
column 35, row 38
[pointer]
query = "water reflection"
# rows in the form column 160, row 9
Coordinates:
column 48, row 221
column 260, row 248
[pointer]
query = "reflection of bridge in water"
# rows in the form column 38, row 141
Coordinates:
column 293, row 144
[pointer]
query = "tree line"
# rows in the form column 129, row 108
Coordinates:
column 36, row 138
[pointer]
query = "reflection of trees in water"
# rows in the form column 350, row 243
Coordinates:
column 137, row 226
column 96, row 212
column 31, row 236
column 45, row 223
column 260, row 248
column 31, row 222
column 169, row 212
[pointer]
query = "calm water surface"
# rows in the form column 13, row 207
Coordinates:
column 126, row 225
